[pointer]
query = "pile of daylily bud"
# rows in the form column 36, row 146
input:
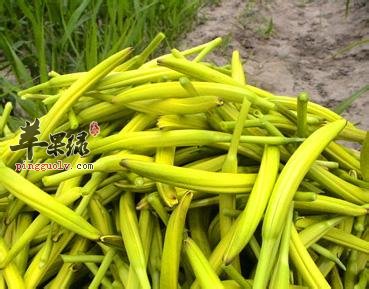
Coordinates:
column 176, row 173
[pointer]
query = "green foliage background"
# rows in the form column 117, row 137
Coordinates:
column 39, row 36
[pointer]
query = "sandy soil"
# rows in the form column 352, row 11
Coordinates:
column 289, row 45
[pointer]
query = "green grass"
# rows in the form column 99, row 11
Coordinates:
column 347, row 102
column 351, row 46
column 254, row 18
column 38, row 36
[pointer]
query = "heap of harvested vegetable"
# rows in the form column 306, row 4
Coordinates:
column 198, row 180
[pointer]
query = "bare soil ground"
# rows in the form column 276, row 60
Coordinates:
column 288, row 47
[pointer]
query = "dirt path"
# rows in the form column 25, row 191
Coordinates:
column 288, row 47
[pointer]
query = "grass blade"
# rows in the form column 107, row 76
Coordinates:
column 345, row 104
